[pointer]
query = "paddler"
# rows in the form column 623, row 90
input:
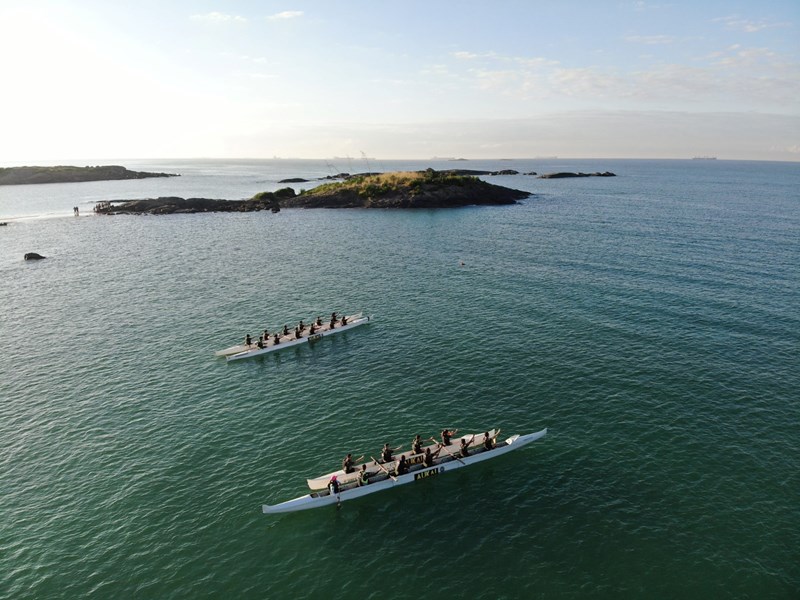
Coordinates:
column 446, row 435
column 488, row 442
column 386, row 452
column 416, row 445
column 348, row 462
column 427, row 460
column 464, row 449
column 333, row 486
column 247, row 340
column 402, row 466
column 363, row 476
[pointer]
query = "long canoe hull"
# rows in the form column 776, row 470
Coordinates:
column 320, row 483
column 290, row 342
column 319, row 499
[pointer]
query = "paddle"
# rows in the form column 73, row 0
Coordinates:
column 383, row 468
column 452, row 455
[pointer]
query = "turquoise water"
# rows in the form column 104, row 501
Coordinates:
column 651, row 321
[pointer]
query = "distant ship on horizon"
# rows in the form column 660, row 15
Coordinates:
column 704, row 158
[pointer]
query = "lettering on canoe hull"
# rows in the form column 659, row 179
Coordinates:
column 315, row 337
column 430, row 473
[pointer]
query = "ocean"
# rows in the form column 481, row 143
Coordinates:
column 651, row 321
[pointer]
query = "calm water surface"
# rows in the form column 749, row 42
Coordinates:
column 651, row 321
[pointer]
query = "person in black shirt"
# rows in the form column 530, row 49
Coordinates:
column 427, row 460
column 446, row 435
column 347, row 463
column 386, row 452
column 333, row 485
column 402, row 466
column 463, row 450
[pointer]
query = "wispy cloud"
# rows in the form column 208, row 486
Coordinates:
column 738, row 56
column 218, row 17
column 738, row 23
column 524, row 61
column 737, row 75
column 466, row 55
column 650, row 40
column 245, row 58
column 286, row 14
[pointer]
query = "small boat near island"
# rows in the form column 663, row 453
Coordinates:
column 289, row 339
column 384, row 480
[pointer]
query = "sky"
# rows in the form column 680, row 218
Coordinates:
column 392, row 80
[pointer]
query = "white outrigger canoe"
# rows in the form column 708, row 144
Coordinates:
column 241, row 351
column 373, row 468
column 441, row 465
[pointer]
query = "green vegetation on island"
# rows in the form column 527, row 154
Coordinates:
column 69, row 174
column 406, row 189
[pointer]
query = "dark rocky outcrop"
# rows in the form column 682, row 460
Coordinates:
column 565, row 175
column 476, row 172
column 34, row 256
column 67, row 174
column 167, row 205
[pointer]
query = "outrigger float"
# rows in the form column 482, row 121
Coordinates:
column 380, row 477
column 241, row 351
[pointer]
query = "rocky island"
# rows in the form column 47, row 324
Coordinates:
column 409, row 189
column 565, row 175
column 68, row 174
column 413, row 189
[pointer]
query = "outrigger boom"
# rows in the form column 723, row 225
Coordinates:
column 351, row 491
